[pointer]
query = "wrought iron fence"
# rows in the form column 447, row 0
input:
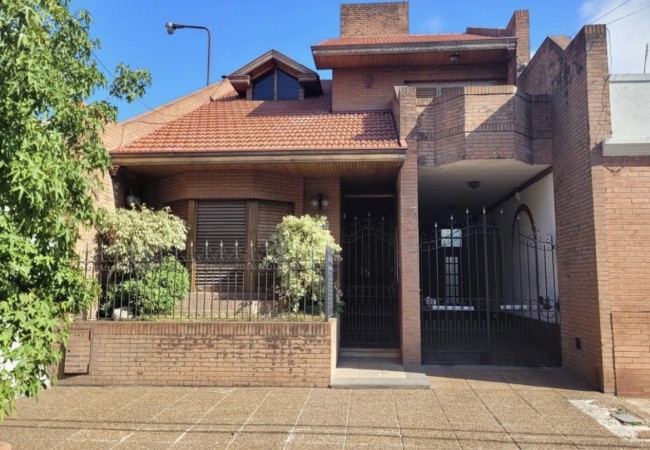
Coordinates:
column 225, row 284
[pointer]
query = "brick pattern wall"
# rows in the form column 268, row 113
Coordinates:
column 520, row 28
column 207, row 354
column 374, row 19
column 483, row 122
column 626, row 184
column 632, row 352
column 576, row 80
column 408, row 232
column 372, row 89
column 232, row 184
column 331, row 189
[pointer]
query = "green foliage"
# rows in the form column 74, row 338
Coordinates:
column 156, row 290
column 51, row 157
column 298, row 252
column 133, row 236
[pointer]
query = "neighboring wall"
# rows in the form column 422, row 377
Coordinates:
column 602, row 207
column 200, row 354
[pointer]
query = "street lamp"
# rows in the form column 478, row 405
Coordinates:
column 171, row 27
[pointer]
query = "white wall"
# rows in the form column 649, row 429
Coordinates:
column 629, row 97
column 525, row 281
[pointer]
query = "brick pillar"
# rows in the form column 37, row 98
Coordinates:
column 405, row 115
column 409, row 262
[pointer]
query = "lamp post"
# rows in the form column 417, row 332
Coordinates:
column 171, row 27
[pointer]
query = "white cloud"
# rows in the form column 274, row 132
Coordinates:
column 433, row 24
column 627, row 37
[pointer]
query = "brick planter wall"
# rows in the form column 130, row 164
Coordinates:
column 200, row 354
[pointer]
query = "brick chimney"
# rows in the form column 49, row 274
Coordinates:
column 374, row 19
column 520, row 28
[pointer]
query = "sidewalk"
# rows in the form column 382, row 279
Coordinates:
column 473, row 408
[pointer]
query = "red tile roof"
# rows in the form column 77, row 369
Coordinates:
column 231, row 123
column 403, row 39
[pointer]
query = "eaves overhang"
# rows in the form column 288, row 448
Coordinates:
column 166, row 157
column 412, row 53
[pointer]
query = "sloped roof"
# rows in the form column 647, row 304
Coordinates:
column 230, row 123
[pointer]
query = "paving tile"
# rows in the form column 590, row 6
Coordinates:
column 84, row 445
column 318, row 436
column 99, row 435
column 437, row 439
column 485, row 444
column 532, row 440
column 159, row 436
column 373, row 437
column 204, row 439
column 143, row 446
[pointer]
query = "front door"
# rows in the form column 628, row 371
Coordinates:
column 369, row 275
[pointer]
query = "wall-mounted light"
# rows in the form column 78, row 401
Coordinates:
column 320, row 202
column 132, row 201
column 474, row 185
column 454, row 58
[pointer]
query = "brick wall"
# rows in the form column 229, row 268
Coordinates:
column 230, row 184
column 202, row 354
column 408, row 231
column 331, row 189
column 372, row 89
column 575, row 78
column 632, row 351
column 483, row 122
column 375, row 19
column 626, row 185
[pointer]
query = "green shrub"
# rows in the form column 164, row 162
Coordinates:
column 297, row 250
column 155, row 290
column 144, row 275
column 133, row 236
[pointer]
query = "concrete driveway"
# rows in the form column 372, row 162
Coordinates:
column 473, row 408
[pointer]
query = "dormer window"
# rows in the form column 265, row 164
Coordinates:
column 274, row 76
column 276, row 85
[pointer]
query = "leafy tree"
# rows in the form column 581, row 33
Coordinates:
column 51, row 160
column 298, row 252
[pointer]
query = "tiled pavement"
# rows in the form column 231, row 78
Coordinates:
column 474, row 408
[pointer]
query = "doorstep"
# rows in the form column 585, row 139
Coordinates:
column 377, row 372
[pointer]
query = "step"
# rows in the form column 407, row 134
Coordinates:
column 360, row 352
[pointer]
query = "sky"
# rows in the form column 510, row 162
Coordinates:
column 133, row 32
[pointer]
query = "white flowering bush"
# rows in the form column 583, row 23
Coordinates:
column 297, row 250
column 140, row 243
column 133, row 236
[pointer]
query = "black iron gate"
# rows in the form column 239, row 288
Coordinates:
column 369, row 283
column 488, row 295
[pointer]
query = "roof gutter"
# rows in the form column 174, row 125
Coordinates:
column 419, row 47
column 165, row 157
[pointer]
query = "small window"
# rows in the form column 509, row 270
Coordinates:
column 264, row 87
column 452, row 279
column 451, row 238
column 276, row 85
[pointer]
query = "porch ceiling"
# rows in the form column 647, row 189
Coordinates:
column 360, row 171
column 445, row 187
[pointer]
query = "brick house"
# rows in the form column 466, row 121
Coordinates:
column 480, row 219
